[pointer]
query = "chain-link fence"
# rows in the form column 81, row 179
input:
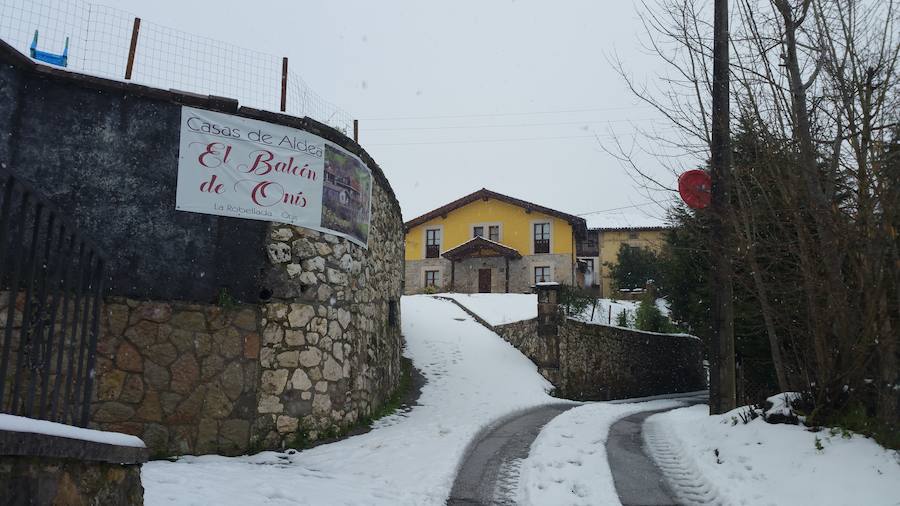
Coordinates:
column 99, row 42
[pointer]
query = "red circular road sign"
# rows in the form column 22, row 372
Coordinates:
column 695, row 188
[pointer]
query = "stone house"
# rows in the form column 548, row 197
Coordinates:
column 489, row 242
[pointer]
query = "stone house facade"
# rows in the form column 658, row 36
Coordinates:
column 490, row 242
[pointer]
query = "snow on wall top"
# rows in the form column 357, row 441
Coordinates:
column 14, row 423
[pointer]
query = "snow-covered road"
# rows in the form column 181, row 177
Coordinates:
column 473, row 378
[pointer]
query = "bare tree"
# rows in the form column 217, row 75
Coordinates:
column 816, row 95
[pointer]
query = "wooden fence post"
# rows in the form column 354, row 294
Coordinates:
column 284, row 78
column 134, row 39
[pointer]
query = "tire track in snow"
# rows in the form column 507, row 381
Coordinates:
column 682, row 475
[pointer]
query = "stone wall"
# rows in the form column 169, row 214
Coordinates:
column 414, row 278
column 180, row 362
column 466, row 275
column 42, row 481
column 42, row 470
column 599, row 362
column 183, row 377
column 521, row 273
column 331, row 331
column 540, row 350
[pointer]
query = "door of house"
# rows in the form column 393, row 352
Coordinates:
column 484, row 281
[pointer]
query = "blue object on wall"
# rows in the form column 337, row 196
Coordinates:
column 54, row 59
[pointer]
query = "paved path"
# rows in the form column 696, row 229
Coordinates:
column 638, row 480
column 488, row 473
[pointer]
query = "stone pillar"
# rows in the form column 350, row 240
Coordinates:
column 548, row 308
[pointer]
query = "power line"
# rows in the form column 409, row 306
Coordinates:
column 511, row 125
column 624, row 207
column 482, row 141
column 485, row 115
column 511, row 139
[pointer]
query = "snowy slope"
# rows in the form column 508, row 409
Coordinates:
column 498, row 308
column 765, row 464
column 474, row 377
column 501, row 308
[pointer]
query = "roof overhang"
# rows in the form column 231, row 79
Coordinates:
column 480, row 247
column 579, row 225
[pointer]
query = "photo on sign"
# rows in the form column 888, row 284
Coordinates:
column 346, row 196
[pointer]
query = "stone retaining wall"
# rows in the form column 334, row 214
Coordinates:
column 331, row 331
column 542, row 351
column 42, row 470
column 183, row 377
column 42, row 481
column 600, row 362
column 314, row 347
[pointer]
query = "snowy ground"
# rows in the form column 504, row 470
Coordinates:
column 474, row 377
column 501, row 308
column 498, row 308
column 567, row 463
column 608, row 310
column 765, row 464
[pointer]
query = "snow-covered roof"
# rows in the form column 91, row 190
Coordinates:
column 621, row 220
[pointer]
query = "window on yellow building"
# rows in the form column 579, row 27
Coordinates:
column 494, row 233
column 478, row 231
column 431, row 278
column 542, row 238
column 433, row 243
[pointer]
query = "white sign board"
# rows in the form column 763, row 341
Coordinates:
column 244, row 168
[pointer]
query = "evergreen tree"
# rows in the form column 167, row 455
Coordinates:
column 634, row 267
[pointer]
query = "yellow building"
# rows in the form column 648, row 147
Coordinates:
column 489, row 242
column 601, row 247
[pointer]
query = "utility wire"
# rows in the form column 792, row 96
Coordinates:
column 486, row 115
column 482, row 141
column 511, row 125
column 625, row 207
column 511, row 139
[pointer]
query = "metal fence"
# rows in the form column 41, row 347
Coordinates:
column 51, row 284
column 100, row 41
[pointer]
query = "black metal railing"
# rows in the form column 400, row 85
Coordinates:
column 51, row 283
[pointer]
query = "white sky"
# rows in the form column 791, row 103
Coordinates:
column 494, row 62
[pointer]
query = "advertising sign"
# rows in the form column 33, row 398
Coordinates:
column 244, row 168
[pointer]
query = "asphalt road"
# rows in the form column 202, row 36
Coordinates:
column 487, row 475
column 638, row 481
column 483, row 477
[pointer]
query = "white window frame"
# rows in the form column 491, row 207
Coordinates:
column 549, row 268
column 487, row 230
column 437, row 277
column 531, row 234
column 440, row 229
column 595, row 270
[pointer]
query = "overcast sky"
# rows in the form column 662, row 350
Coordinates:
column 511, row 95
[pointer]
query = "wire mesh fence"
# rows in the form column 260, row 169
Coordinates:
column 99, row 39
